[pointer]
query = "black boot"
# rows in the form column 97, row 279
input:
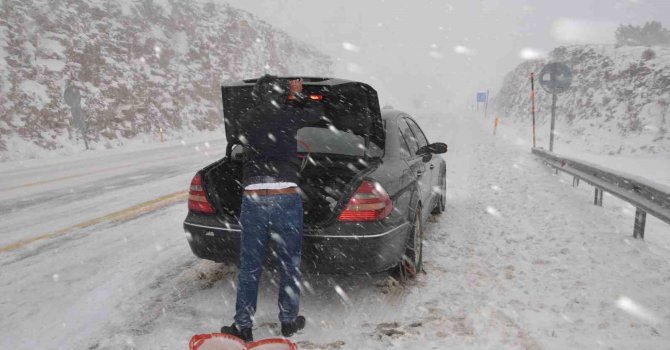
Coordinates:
column 244, row 333
column 289, row 328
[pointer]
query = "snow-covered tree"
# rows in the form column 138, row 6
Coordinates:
column 650, row 34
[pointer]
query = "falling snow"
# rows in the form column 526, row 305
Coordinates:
column 520, row 258
column 460, row 49
column 350, row 47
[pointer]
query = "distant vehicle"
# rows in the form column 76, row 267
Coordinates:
column 370, row 179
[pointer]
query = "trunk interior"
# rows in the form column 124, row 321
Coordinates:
column 325, row 186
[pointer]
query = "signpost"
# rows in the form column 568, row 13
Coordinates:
column 532, row 101
column 483, row 97
column 555, row 78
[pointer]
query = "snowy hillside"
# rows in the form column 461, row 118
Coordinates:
column 140, row 66
column 619, row 102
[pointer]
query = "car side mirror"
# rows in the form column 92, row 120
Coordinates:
column 437, row 148
column 427, row 157
column 425, row 152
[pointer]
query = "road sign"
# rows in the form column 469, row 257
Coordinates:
column 72, row 96
column 481, row 97
column 555, row 77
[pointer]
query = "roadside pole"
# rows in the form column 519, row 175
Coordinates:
column 532, row 99
column 482, row 97
column 553, row 122
column 486, row 103
column 84, row 131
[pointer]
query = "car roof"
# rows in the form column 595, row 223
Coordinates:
column 391, row 113
column 306, row 80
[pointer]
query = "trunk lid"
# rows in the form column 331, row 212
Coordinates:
column 348, row 105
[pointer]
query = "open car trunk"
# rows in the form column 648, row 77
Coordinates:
column 346, row 105
column 326, row 188
column 351, row 134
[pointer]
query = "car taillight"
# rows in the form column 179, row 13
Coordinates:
column 313, row 97
column 197, row 199
column 369, row 203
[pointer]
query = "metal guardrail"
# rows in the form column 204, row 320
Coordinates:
column 646, row 196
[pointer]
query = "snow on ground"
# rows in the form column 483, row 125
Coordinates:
column 520, row 260
column 654, row 167
column 69, row 191
column 23, row 152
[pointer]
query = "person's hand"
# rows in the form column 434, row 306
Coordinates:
column 296, row 87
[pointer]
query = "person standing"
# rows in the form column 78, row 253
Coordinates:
column 271, row 203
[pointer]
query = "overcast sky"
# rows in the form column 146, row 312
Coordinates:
column 436, row 53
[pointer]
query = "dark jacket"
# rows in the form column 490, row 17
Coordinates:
column 270, row 142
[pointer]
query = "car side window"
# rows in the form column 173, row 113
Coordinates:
column 404, row 148
column 408, row 137
column 418, row 133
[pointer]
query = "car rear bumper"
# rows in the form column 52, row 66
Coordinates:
column 378, row 249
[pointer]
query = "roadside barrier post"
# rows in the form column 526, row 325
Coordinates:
column 598, row 197
column 640, row 221
column 160, row 130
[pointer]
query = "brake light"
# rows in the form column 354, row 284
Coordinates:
column 197, row 199
column 369, row 203
column 313, row 97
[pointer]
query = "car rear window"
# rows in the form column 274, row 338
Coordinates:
column 321, row 140
column 352, row 107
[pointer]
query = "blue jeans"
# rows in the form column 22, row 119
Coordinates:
column 276, row 217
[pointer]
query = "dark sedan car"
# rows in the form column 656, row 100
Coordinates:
column 369, row 180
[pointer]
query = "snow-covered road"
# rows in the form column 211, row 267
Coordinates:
column 520, row 260
column 40, row 197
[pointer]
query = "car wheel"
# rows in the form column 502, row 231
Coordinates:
column 442, row 201
column 411, row 262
